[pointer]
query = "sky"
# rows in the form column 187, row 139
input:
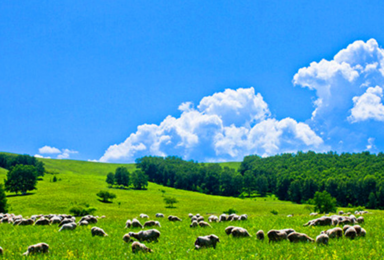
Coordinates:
column 112, row 81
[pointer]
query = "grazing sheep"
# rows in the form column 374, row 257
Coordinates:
column 322, row 239
column 206, row 241
column 345, row 228
column 197, row 215
column 223, row 217
column 243, row 217
column 159, row 215
column 351, row 233
column 90, row 219
column 299, row 237
column 83, row 223
column 137, row 247
column 66, row 221
column 55, row 220
column 136, row 223
column 98, row 232
column 358, row 229
column 335, row 221
column 42, row 222
column 334, row 232
column 363, row 233
column 26, row 222
column 233, row 217
column 213, row 218
column 199, row 219
column 190, row 215
column 174, row 218
column 68, row 226
column 276, row 235
column 38, row 248
column 152, row 223
column 143, row 216
column 228, row 230
column 193, row 219
column 128, row 224
column 240, row 232
column 204, row 224
column 360, row 220
column 194, row 224
column 127, row 238
column 288, row 231
column 260, row 235
column 147, row 235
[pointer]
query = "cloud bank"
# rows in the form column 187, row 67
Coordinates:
column 61, row 154
column 224, row 126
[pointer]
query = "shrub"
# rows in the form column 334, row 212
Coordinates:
column 230, row 211
column 274, row 212
column 106, row 195
column 170, row 201
column 79, row 211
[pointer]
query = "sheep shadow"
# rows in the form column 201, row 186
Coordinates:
column 18, row 195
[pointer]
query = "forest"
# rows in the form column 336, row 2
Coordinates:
column 354, row 179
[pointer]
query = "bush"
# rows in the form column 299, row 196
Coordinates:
column 324, row 202
column 79, row 211
column 105, row 196
column 274, row 212
column 230, row 211
column 170, row 201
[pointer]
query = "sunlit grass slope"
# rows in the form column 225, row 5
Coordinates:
column 80, row 181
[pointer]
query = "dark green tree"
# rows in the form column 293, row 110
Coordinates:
column 294, row 191
column 262, row 185
column 106, row 195
column 324, row 202
column 249, row 182
column 110, row 178
column 3, row 200
column 372, row 201
column 21, row 178
column 122, row 176
column 170, row 201
column 139, row 180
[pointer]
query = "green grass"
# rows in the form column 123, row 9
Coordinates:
column 80, row 181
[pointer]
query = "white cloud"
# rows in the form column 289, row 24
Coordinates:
column 66, row 153
column 48, row 150
column 225, row 126
column 371, row 143
column 368, row 106
column 40, row 156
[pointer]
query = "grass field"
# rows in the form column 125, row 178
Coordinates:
column 80, row 181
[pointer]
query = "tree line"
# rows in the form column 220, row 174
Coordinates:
column 123, row 178
column 354, row 179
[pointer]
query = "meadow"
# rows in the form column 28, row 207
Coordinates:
column 78, row 182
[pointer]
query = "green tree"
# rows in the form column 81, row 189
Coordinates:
column 106, row 195
column 170, row 201
column 139, row 180
column 122, row 176
column 262, row 185
column 110, row 178
column 249, row 182
column 3, row 200
column 21, row 178
column 324, row 202
column 372, row 201
column 294, row 191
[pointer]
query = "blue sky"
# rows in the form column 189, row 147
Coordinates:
column 205, row 80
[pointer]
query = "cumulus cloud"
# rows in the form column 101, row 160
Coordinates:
column 48, row 150
column 225, row 126
column 40, row 156
column 368, row 106
column 66, row 153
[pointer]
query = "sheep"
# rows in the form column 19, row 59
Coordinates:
column 288, row 231
column 243, row 217
column 197, row 215
column 341, row 212
column 194, row 224
column 276, row 235
column 223, row 217
column 90, row 219
column 174, row 218
column 334, row 232
column 193, row 219
column 228, row 230
column 190, row 215
column 358, row 229
column 42, row 222
column 351, row 233
column 26, row 222
column 38, row 248
column 206, row 241
column 213, row 218
column 136, row 223
column 147, row 235
column 233, row 217
column 323, row 221
column 299, row 237
column 1, row 250
column 98, row 232
column 66, row 221
column 68, row 226
column 363, row 233
column 200, row 219
column 345, row 228
column 240, row 232
column 360, row 220
column 322, row 239
column 55, row 220
column 128, row 223
column 83, row 223
column 152, row 223
column 137, row 246
column 159, row 215
column 204, row 224
column 127, row 238
column 260, row 235
column 143, row 216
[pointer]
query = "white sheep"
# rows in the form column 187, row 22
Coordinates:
column 206, row 241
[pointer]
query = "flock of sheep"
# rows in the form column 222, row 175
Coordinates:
column 350, row 229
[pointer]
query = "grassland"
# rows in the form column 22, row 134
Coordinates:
column 80, row 181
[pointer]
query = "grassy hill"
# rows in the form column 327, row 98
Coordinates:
column 80, row 181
